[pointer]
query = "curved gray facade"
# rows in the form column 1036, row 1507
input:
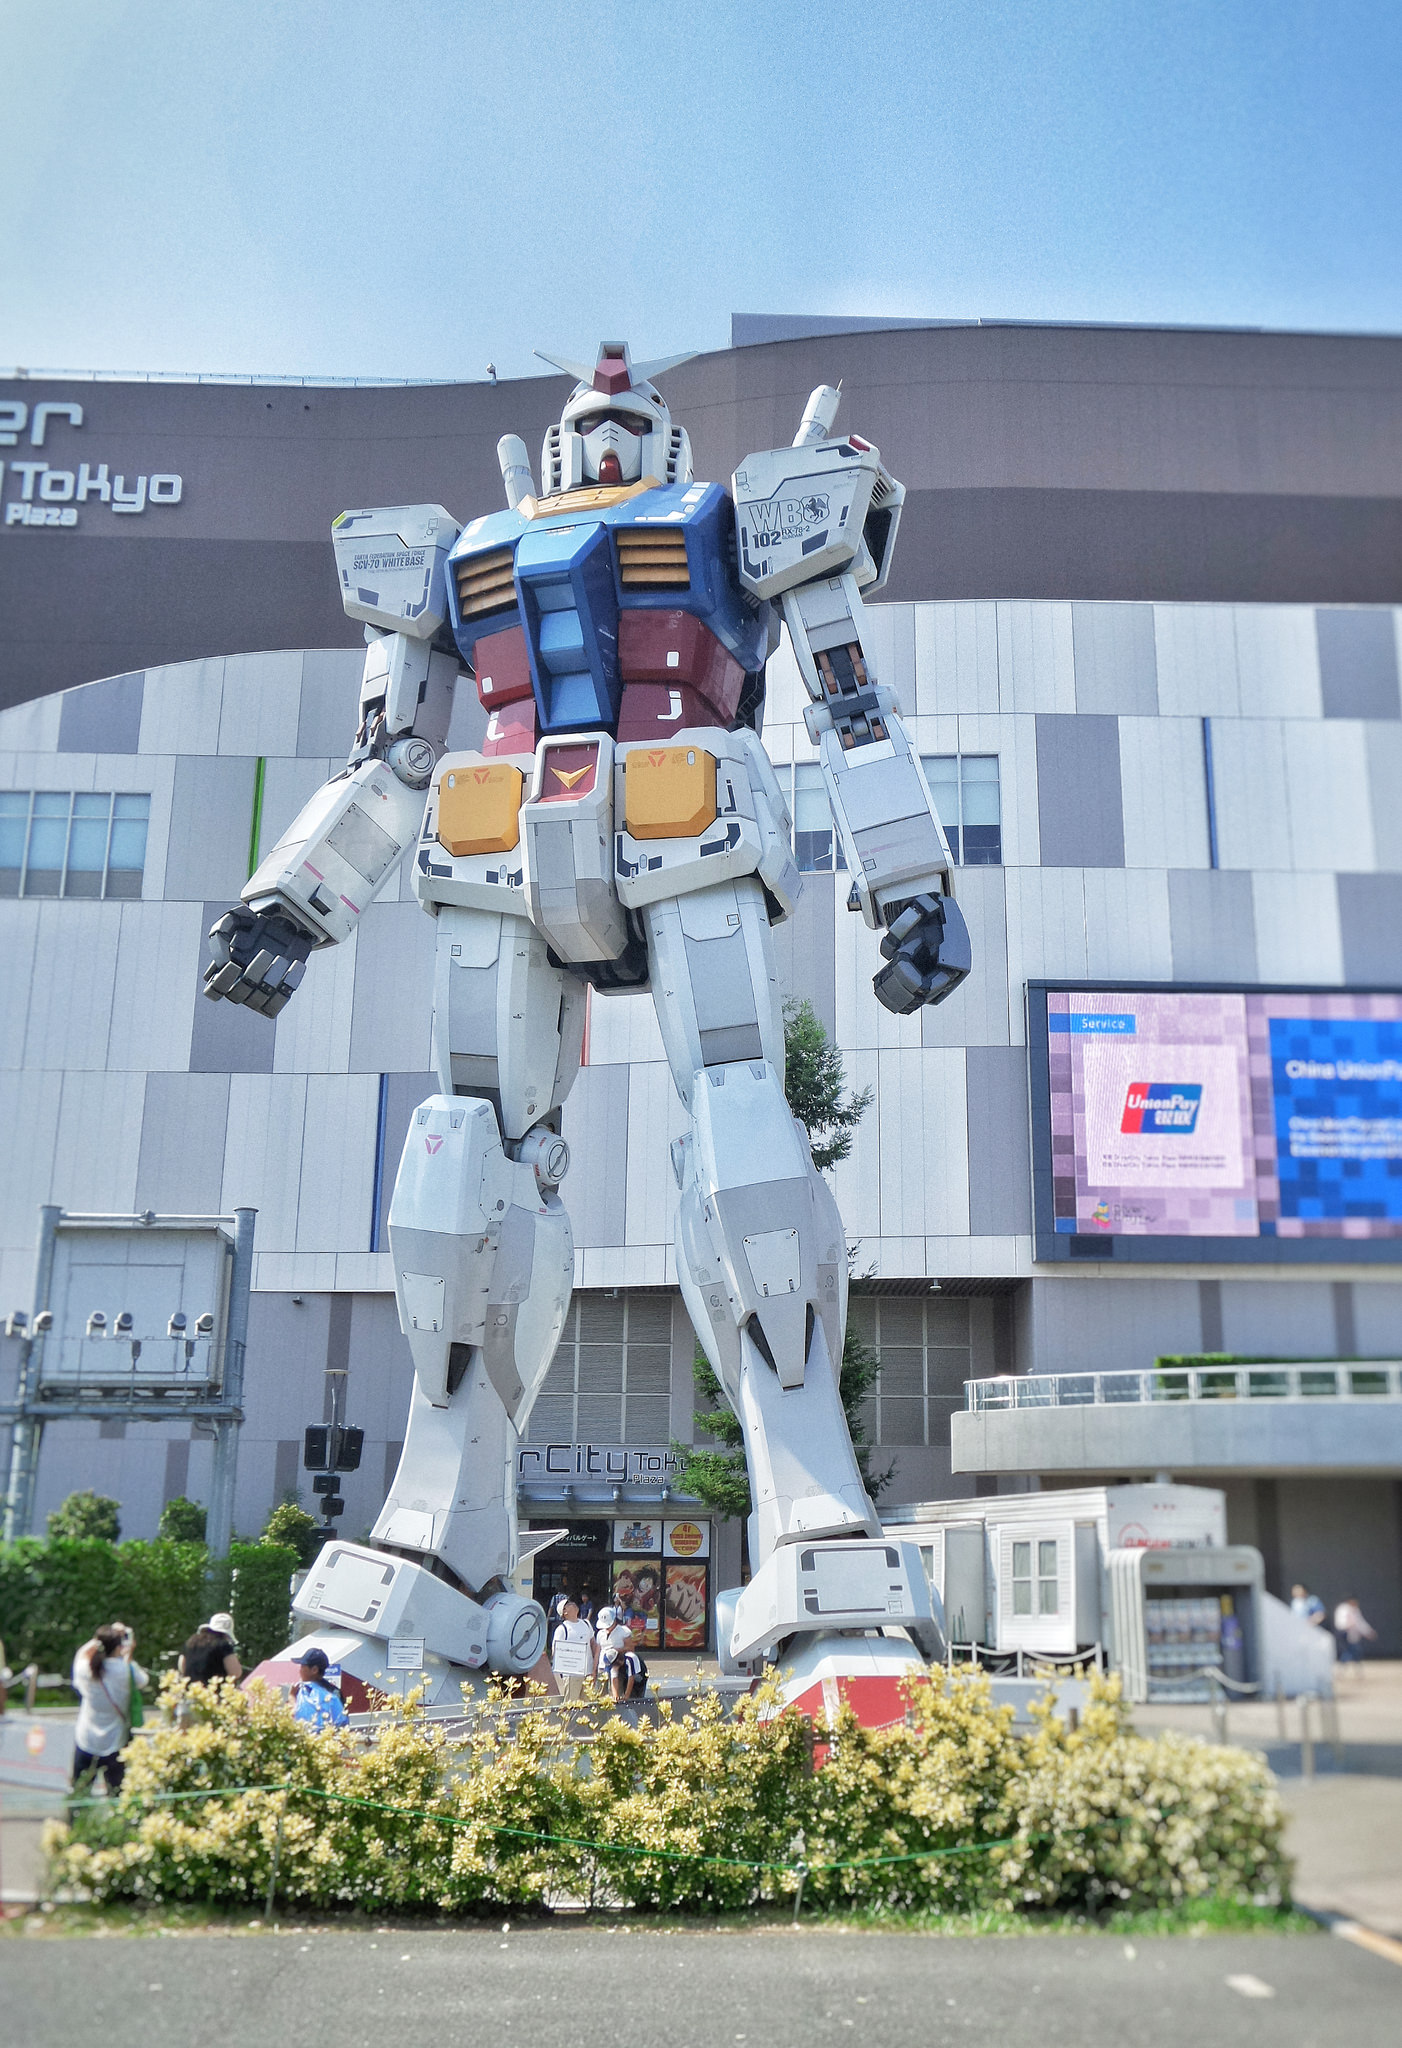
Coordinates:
column 1041, row 462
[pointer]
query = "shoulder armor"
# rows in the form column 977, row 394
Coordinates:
column 814, row 511
column 391, row 562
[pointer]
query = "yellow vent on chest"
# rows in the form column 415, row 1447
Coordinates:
column 652, row 558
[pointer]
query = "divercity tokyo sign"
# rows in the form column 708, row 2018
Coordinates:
column 614, row 1464
column 38, row 492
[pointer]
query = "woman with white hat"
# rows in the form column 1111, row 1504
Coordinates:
column 209, row 1655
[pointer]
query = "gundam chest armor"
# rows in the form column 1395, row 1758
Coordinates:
column 621, row 664
column 622, row 827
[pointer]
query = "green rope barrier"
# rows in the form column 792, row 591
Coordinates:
column 576, row 1841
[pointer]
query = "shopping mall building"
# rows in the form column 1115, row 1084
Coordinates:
column 1142, row 621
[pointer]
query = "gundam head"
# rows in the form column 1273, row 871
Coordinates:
column 615, row 428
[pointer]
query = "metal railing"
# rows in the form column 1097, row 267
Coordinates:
column 1376, row 1381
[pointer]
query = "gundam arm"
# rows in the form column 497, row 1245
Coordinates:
column 833, row 506
column 344, row 844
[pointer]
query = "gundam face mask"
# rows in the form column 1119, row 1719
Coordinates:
column 613, row 446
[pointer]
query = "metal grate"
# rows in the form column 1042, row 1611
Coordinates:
column 651, row 560
column 922, row 1345
column 610, row 1381
column 486, row 583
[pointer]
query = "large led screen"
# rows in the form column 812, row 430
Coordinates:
column 1174, row 1122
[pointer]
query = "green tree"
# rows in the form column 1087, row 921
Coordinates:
column 86, row 1517
column 293, row 1528
column 182, row 1521
column 815, row 1082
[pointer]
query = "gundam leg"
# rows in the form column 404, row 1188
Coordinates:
column 761, row 1258
column 484, row 1265
column 760, row 1253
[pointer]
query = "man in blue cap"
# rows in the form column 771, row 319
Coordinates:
column 318, row 1705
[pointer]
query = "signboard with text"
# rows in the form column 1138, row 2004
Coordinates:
column 1252, row 1123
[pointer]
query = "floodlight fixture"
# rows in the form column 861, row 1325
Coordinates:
column 97, row 1324
column 204, row 1325
column 178, row 1324
column 123, row 1325
column 43, row 1322
column 17, row 1325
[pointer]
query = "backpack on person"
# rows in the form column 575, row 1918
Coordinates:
column 636, row 1658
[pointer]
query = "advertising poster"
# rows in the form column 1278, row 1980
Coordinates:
column 686, row 1539
column 637, row 1589
column 1209, row 1114
column 688, row 1620
column 637, row 1538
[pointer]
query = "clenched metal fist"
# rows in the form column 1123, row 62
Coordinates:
column 258, row 959
column 929, row 954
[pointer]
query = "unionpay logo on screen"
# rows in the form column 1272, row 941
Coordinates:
column 1162, row 1106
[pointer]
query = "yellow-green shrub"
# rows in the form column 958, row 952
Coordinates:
column 703, row 1811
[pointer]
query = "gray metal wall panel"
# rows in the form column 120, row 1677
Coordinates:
column 596, row 1128
column 1213, row 924
column 1370, row 919
column 1383, row 749
column 805, row 947
column 211, row 816
column 1377, row 1317
column 403, row 1094
column 392, row 1007
column 180, row 1168
column 1079, row 803
column 1109, row 1326
column 1358, row 663
column 1000, row 1193
column 226, row 1038
column 105, row 718
column 1114, row 654
column 1287, row 1318
column 977, row 1012
column 330, row 695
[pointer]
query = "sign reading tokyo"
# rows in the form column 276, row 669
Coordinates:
column 38, row 491
column 1181, row 1114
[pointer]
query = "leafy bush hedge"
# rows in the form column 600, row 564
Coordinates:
column 54, row 1594
column 697, row 1812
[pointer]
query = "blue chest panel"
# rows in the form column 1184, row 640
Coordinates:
column 565, row 577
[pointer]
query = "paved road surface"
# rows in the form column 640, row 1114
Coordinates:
column 592, row 1988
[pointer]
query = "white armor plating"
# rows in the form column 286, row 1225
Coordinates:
column 622, row 862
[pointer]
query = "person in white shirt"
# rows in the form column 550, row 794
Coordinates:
column 104, row 1672
column 612, row 1639
column 572, row 1651
column 1352, row 1631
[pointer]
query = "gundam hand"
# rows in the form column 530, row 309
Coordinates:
column 929, row 954
column 259, row 958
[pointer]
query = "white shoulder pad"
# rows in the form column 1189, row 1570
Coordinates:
column 391, row 561
column 802, row 513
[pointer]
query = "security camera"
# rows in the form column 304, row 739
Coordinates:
column 178, row 1324
column 123, row 1325
column 43, row 1322
column 97, row 1324
column 16, row 1325
column 204, row 1325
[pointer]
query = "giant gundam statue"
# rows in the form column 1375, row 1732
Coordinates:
column 622, row 829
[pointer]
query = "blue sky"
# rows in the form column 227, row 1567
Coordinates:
column 412, row 187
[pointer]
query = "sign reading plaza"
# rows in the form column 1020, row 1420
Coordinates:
column 1179, row 1122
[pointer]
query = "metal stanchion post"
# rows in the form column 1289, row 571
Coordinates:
column 1306, row 1738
